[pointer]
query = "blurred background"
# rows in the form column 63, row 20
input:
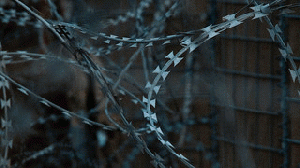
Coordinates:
column 230, row 103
